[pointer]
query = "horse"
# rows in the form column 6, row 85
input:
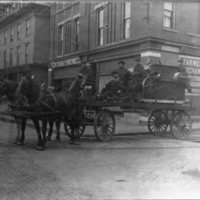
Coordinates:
column 8, row 89
column 63, row 102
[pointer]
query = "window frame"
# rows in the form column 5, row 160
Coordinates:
column 27, row 27
column 5, row 58
column 26, row 52
column 126, row 20
column 18, row 31
column 11, row 34
column 60, row 39
column 18, row 55
column 100, row 26
column 11, row 57
column 5, row 37
column 170, row 18
column 77, row 33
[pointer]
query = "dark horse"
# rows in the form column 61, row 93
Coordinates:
column 63, row 102
column 8, row 88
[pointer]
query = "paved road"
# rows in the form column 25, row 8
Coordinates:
column 129, row 167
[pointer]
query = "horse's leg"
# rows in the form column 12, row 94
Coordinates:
column 50, row 130
column 40, row 145
column 58, row 130
column 74, row 132
column 18, row 122
column 23, row 127
column 44, row 130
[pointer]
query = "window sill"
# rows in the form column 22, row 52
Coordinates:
column 193, row 34
column 170, row 30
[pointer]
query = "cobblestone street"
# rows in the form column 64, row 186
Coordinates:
column 129, row 167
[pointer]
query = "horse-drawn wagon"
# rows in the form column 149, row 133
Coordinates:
column 162, row 95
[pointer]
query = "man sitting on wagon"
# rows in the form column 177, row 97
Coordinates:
column 113, row 90
column 87, row 74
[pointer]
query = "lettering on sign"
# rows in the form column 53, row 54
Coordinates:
column 64, row 63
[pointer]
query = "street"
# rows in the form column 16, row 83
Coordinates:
column 139, row 166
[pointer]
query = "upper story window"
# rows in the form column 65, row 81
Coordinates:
column 126, row 19
column 27, row 52
column 11, row 57
column 5, row 58
column 11, row 34
column 77, row 31
column 100, row 26
column 69, row 38
column 5, row 38
column 27, row 27
column 111, row 22
column 18, row 55
column 18, row 31
column 169, row 16
column 60, row 39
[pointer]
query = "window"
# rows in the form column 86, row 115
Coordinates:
column 111, row 22
column 100, row 26
column 126, row 14
column 68, row 37
column 18, row 55
column 60, row 40
column 27, row 27
column 11, row 57
column 18, row 31
column 11, row 34
column 5, row 38
column 169, row 17
column 4, row 58
column 27, row 53
column 76, row 24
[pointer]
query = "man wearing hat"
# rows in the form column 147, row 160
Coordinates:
column 124, row 75
column 113, row 89
column 138, row 76
column 87, row 74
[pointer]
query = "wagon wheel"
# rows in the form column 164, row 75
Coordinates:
column 104, row 125
column 68, row 130
column 157, row 122
column 181, row 125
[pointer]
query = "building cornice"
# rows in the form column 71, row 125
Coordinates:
column 140, row 41
column 31, row 7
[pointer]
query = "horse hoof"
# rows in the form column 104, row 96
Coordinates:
column 19, row 142
column 75, row 142
column 39, row 148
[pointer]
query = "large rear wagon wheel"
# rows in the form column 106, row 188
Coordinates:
column 181, row 125
column 68, row 130
column 157, row 122
column 104, row 126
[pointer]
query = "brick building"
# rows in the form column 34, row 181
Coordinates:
column 24, row 39
column 106, row 32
